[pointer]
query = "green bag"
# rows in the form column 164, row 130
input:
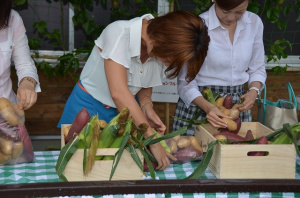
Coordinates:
column 275, row 114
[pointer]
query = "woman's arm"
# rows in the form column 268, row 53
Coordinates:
column 117, row 81
column 144, row 96
column 27, row 73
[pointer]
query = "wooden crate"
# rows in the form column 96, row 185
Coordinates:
column 127, row 169
column 232, row 161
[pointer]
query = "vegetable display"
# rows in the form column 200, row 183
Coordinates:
column 122, row 133
column 15, row 143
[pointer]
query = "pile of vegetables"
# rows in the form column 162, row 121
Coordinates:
column 230, row 135
column 15, row 143
column 121, row 132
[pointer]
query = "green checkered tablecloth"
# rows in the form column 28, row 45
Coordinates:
column 43, row 170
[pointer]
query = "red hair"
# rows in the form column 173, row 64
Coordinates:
column 183, row 38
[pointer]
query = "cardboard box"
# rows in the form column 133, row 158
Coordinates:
column 232, row 161
column 127, row 169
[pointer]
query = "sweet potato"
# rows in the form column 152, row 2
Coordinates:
column 28, row 151
column 249, row 135
column 187, row 154
column 7, row 131
column 227, row 102
column 80, row 120
column 261, row 140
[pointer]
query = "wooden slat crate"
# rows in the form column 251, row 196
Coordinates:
column 127, row 169
column 232, row 162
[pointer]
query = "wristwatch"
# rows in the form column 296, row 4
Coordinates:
column 256, row 89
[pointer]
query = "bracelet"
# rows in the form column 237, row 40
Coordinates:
column 149, row 101
column 145, row 97
column 28, row 79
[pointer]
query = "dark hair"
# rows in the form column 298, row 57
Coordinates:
column 229, row 4
column 181, row 36
column 5, row 9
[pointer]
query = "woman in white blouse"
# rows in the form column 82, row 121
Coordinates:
column 235, row 57
column 14, row 46
column 128, row 59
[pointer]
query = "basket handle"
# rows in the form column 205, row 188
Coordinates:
column 292, row 97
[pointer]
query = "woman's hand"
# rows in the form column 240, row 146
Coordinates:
column 161, row 156
column 153, row 119
column 249, row 100
column 26, row 95
column 214, row 115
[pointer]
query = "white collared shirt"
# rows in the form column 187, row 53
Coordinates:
column 14, row 46
column 121, row 42
column 228, row 64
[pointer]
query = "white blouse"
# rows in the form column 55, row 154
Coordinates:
column 14, row 46
column 121, row 42
column 228, row 64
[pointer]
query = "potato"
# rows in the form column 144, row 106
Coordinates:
column 8, row 112
column 183, row 142
column 6, row 146
column 173, row 145
column 195, row 143
column 229, row 136
column 227, row 102
column 17, row 150
column 238, row 124
column 4, row 158
column 18, row 111
column 235, row 106
column 226, row 111
column 234, row 113
column 176, row 138
column 231, row 125
column 221, row 108
column 220, row 101
column 66, row 130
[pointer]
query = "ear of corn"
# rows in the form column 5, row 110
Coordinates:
column 209, row 96
column 110, row 132
column 283, row 138
column 89, row 133
column 93, row 149
column 118, row 140
column 163, row 142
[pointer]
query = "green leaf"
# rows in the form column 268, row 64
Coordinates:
column 135, row 156
column 288, row 130
column 180, row 131
column 204, row 162
column 118, row 155
column 149, row 164
column 193, row 122
column 65, row 155
column 86, row 131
